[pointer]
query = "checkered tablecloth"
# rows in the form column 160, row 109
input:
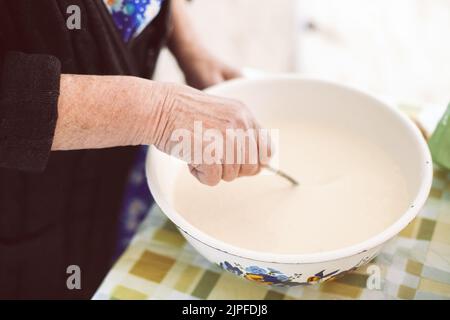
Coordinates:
column 160, row 264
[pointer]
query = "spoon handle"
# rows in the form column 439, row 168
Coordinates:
column 283, row 175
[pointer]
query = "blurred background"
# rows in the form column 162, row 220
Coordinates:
column 399, row 50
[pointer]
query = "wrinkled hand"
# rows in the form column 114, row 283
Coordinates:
column 202, row 69
column 183, row 106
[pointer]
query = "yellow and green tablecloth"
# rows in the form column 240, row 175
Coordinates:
column 160, row 264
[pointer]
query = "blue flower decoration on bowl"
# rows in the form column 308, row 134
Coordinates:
column 274, row 277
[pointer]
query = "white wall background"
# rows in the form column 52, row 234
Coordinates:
column 395, row 48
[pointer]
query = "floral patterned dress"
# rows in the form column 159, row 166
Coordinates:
column 130, row 18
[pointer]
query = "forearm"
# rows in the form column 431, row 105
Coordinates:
column 184, row 41
column 201, row 68
column 111, row 111
column 106, row 111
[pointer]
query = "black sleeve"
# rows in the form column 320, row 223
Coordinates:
column 29, row 91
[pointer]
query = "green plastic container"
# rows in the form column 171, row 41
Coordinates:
column 440, row 142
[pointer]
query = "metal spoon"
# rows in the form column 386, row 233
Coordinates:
column 283, row 175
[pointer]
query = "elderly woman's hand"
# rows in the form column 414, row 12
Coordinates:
column 202, row 69
column 212, row 126
column 110, row 111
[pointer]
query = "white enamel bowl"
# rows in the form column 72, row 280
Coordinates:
column 296, row 97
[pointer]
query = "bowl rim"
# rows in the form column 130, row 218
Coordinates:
column 268, row 257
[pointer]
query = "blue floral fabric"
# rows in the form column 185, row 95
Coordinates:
column 130, row 18
column 136, row 204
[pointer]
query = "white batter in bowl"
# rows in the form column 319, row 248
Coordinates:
column 364, row 171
